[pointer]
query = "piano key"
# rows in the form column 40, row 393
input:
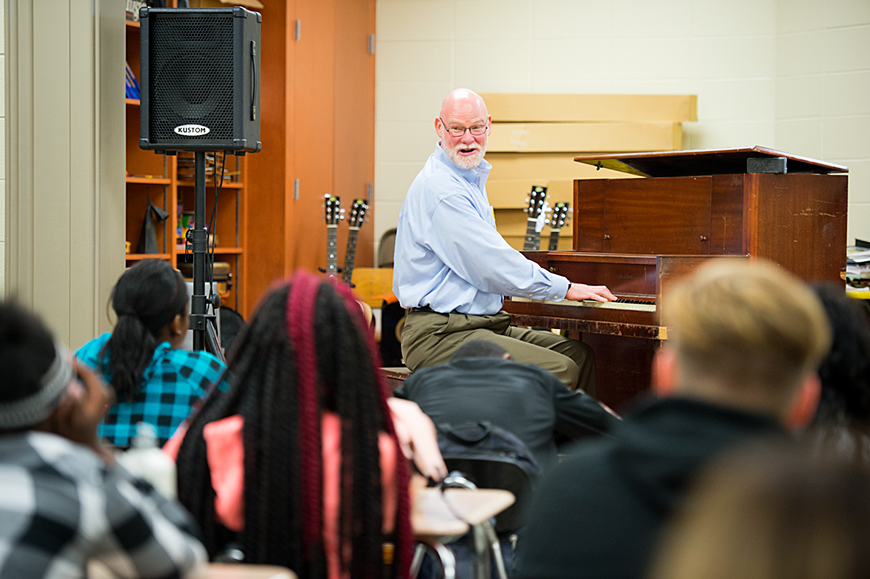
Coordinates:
column 620, row 304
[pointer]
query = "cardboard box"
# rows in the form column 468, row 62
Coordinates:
column 514, row 174
column 513, row 107
column 512, row 224
column 565, row 243
column 515, row 194
column 542, row 167
column 580, row 138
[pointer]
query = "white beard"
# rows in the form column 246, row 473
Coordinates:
column 466, row 161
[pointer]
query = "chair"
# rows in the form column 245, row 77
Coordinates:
column 385, row 248
column 481, row 455
column 491, row 457
column 440, row 516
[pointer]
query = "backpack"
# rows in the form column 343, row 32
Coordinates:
column 491, row 457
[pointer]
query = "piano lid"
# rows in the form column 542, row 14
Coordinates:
column 702, row 162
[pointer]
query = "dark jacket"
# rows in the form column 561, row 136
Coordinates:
column 523, row 399
column 598, row 513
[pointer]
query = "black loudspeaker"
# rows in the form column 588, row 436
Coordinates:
column 200, row 79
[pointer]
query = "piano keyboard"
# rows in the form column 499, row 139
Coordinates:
column 619, row 304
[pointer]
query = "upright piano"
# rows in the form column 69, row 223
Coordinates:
column 639, row 235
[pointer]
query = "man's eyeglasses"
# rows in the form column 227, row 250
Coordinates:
column 476, row 130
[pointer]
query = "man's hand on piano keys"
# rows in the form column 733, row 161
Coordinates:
column 579, row 292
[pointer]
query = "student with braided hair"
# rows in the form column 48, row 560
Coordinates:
column 299, row 462
column 154, row 381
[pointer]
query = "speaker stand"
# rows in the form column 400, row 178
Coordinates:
column 199, row 241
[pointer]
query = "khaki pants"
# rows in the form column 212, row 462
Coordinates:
column 430, row 339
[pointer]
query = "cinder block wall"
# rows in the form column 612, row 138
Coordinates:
column 791, row 74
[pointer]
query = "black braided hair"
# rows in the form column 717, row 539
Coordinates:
column 146, row 298
column 288, row 357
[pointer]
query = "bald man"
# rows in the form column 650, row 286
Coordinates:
column 452, row 267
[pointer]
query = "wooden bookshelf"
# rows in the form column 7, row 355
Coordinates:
column 321, row 139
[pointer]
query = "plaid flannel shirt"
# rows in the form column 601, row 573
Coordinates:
column 173, row 383
column 61, row 506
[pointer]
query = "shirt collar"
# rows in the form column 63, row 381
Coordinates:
column 159, row 353
column 476, row 176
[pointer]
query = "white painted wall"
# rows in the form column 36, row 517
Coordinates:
column 823, row 91
column 789, row 74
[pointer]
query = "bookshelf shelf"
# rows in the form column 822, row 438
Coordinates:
column 133, row 102
column 210, row 184
column 149, row 180
column 217, row 251
column 141, row 256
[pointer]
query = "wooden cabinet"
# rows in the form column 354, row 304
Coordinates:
column 167, row 181
column 317, row 129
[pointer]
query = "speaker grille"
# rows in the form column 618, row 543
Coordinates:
column 191, row 76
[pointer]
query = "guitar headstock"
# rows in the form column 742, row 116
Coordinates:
column 542, row 220
column 537, row 198
column 334, row 212
column 560, row 215
column 358, row 213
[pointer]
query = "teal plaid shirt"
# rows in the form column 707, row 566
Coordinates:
column 173, row 383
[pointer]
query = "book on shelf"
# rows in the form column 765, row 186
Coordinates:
column 132, row 88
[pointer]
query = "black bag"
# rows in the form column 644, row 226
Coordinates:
column 491, row 457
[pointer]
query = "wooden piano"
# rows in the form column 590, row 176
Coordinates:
column 638, row 236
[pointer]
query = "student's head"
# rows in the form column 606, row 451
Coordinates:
column 845, row 371
column 307, row 349
column 41, row 389
column 770, row 512
column 463, row 113
column 151, row 304
column 745, row 334
column 480, row 349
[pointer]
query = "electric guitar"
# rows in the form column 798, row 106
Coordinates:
column 536, row 217
column 334, row 214
column 560, row 216
column 357, row 216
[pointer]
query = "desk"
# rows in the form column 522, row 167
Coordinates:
column 234, row 571
column 432, row 517
column 97, row 570
column 441, row 517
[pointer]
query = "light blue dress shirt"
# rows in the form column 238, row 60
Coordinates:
column 449, row 255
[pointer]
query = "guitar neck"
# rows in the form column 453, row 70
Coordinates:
column 533, row 237
column 349, row 254
column 554, row 239
column 331, row 245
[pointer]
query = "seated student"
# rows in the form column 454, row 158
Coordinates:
column 298, row 462
column 768, row 513
column 842, row 421
column 154, row 381
column 63, row 500
column 482, row 383
column 740, row 362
